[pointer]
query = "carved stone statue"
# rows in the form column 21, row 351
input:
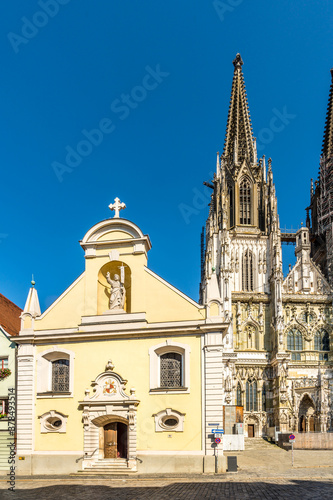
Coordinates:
column 117, row 292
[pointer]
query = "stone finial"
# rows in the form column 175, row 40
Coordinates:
column 117, row 206
column 109, row 366
column 238, row 61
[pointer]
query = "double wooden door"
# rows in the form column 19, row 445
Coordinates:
column 110, row 440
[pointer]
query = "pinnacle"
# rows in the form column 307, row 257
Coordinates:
column 238, row 61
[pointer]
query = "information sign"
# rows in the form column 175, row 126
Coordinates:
column 218, row 431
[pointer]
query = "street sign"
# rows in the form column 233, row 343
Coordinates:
column 292, row 437
column 218, row 431
column 217, row 440
column 213, row 425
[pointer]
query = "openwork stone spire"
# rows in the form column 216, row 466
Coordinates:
column 327, row 150
column 239, row 143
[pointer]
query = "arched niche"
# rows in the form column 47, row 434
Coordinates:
column 103, row 288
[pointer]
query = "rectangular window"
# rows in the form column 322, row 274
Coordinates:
column 4, row 406
column 171, row 370
column 60, row 375
column 3, row 363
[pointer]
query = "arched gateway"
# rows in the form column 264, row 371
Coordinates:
column 109, row 419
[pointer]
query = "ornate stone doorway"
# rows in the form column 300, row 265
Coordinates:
column 109, row 420
column 115, row 440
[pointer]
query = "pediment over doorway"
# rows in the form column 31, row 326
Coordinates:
column 109, row 386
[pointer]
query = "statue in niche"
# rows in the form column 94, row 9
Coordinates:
column 117, row 292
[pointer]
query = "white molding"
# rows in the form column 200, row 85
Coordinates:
column 113, row 330
column 25, row 416
column 44, row 429
column 154, row 365
column 60, row 297
column 169, row 413
column 114, row 224
column 174, row 289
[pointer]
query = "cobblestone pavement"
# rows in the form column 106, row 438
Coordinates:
column 262, row 475
column 199, row 487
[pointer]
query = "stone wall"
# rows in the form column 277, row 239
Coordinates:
column 308, row 441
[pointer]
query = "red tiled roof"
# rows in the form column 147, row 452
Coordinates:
column 9, row 316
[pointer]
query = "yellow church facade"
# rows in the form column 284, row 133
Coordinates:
column 110, row 375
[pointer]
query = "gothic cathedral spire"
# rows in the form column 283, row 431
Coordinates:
column 327, row 150
column 239, row 142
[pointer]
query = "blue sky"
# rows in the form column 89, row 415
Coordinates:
column 68, row 66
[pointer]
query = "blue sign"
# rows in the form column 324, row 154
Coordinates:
column 213, row 425
column 218, row 431
column 292, row 437
column 217, row 440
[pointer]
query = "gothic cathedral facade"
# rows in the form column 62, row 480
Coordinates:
column 276, row 354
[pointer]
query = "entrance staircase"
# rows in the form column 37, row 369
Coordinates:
column 257, row 444
column 107, row 466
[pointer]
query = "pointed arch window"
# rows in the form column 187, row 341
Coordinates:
column 322, row 343
column 245, row 201
column 231, row 206
column 247, row 271
column 251, row 396
column 295, row 343
column 239, row 395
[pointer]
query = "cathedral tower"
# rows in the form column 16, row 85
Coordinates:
column 321, row 204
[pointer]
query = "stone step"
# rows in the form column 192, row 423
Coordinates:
column 106, row 466
column 102, row 471
column 257, row 443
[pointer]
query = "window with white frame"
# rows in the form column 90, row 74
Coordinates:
column 55, row 373
column 3, row 363
column 3, row 407
column 169, row 367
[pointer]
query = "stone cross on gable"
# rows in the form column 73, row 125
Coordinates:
column 117, row 206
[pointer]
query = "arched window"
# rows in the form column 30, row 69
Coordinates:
column 322, row 343
column 295, row 343
column 171, row 370
column 245, row 202
column 239, row 395
column 247, row 271
column 251, row 396
column 60, row 375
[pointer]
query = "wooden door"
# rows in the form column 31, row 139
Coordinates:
column 250, row 430
column 110, row 440
column 311, row 424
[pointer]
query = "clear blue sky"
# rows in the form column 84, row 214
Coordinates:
column 63, row 76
